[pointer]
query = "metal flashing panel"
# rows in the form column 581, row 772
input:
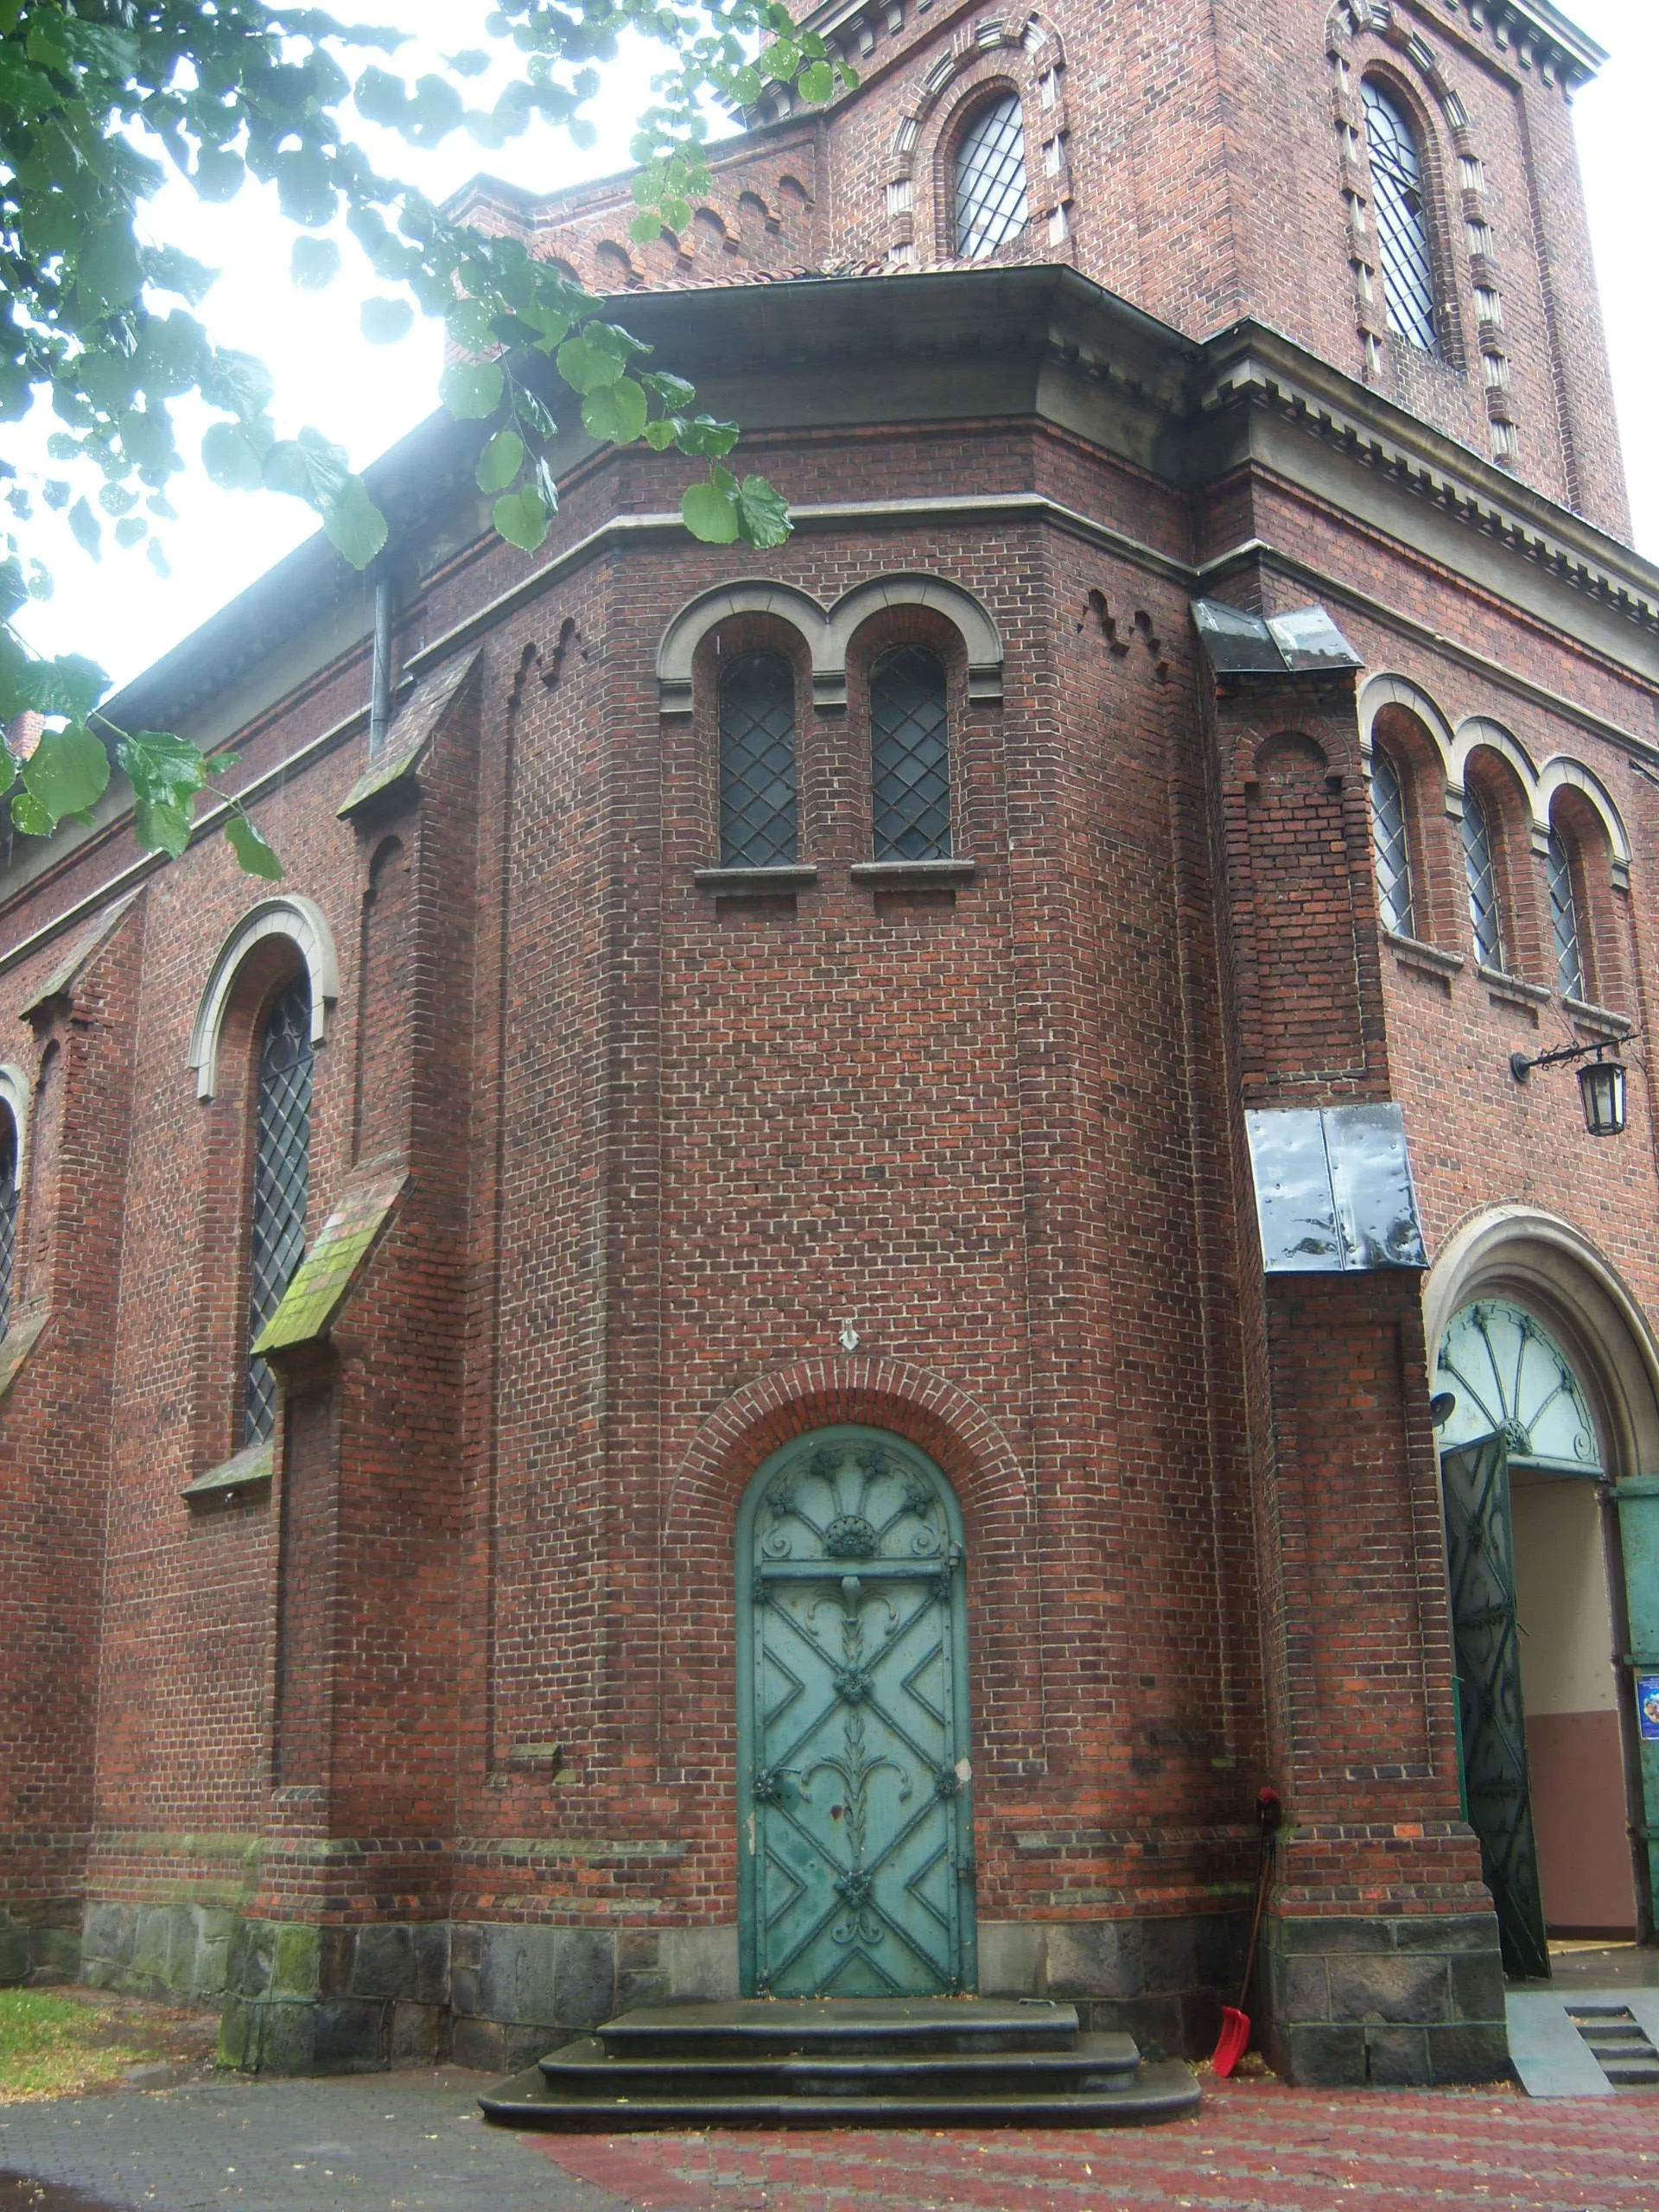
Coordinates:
column 1333, row 1190
column 1305, row 642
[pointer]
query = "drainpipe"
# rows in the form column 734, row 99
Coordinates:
column 381, row 680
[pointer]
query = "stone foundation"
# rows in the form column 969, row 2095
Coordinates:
column 39, row 1948
column 1401, row 2002
column 1407, row 2000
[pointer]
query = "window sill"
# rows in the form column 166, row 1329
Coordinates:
column 883, row 873
column 753, row 882
column 1589, row 1016
column 1412, row 953
column 1511, row 987
column 247, row 1472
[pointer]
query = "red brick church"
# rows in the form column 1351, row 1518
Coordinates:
column 868, row 1228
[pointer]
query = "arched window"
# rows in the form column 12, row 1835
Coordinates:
column 1401, row 220
column 8, row 1213
column 1389, row 843
column 1480, row 866
column 1564, row 918
column 282, row 1152
column 991, row 180
column 757, row 763
column 910, row 756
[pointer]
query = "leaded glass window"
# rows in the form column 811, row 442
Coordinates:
column 757, row 763
column 1401, row 220
column 991, row 180
column 282, row 1151
column 1389, row 843
column 8, row 1215
column 1564, row 914
column 909, row 757
column 1480, row 866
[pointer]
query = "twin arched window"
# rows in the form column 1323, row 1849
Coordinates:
column 282, row 1158
column 991, row 207
column 1391, row 845
column 1480, row 871
column 910, row 759
column 1403, row 239
column 1564, row 918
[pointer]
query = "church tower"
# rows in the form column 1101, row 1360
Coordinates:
column 874, row 1228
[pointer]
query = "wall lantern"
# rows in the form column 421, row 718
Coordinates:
column 1601, row 1083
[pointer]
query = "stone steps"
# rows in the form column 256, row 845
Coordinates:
column 897, row 2063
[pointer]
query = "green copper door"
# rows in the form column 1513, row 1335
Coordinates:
column 854, row 1786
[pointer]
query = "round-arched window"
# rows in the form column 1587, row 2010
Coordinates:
column 1480, row 871
column 1401, row 220
column 1390, row 845
column 990, row 204
column 1564, row 916
column 1510, row 1379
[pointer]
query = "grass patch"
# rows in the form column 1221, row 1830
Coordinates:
column 59, row 2043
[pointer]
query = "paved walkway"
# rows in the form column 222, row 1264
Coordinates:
column 409, row 2142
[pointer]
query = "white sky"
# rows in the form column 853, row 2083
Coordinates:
column 365, row 396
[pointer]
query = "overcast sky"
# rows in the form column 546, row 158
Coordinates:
column 119, row 612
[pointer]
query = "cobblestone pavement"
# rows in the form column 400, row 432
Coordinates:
column 1256, row 2146
column 411, row 2142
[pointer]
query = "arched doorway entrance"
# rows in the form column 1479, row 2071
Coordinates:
column 1537, row 1605
column 854, row 1782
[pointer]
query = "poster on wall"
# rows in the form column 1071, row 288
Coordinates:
column 1647, row 1706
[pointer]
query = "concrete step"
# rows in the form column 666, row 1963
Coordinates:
column 1164, row 2091
column 874, row 2026
column 1633, row 2073
column 1094, row 2063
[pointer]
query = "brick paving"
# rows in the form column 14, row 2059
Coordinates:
column 412, row 2142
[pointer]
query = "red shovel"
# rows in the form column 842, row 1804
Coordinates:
column 1234, row 2038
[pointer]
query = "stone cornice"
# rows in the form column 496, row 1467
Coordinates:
column 1253, row 363
column 1530, row 33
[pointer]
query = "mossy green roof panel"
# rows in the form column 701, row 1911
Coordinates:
column 324, row 1278
column 17, row 1344
column 415, row 724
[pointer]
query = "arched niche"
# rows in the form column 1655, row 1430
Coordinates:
column 828, row 632
column 304, row 922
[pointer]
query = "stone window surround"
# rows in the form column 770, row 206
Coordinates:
column 14, row 1093
column 301, row 920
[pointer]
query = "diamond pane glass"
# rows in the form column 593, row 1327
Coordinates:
column 1480, row 867
column 1564, row 914
column 909, row 757
column 1401, row 220
column 8, row 1216
column 1388, row 842
column 280, row 1171
column 757, row 763
column 991, row 180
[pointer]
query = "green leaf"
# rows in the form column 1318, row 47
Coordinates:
column 308, row 466
column 314, row 263
column 710, row 514
column 472, row 389
column 84, row 528
column 763, row 513
column 468, row 323
column 232, row 457
column 254, row 852
column 130, row 531
column 108, row 272
column 646, row 229
column 587, row 367
column 172, row 270
column 615, row 413
column 706, row 436
column 522, row 518
column 70, row 685
column 30, row 816
column 160, row 827
column 385, row 321
column 355, row 526
column 68, row 770
column 500, row 461
column 817, row 82
column 660, row 436
column 219, row 173
column 675, row 394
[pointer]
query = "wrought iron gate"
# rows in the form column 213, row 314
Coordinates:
column 856, row 1855
column 1480, row 1559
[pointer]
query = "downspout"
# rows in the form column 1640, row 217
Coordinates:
column 380, row 681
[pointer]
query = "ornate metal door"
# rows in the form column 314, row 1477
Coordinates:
column 1480, row 1559
column 855, row 1852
